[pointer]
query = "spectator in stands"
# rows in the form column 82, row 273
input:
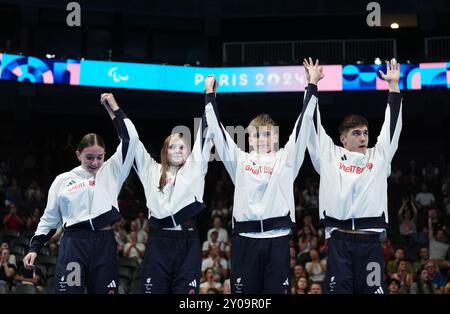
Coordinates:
column 298, row 271
column 439, row 248
column 393, row 286
column 213, row 242
column 424, row 256
column 388, row 250
column 423, row 284
column 215, row 261
column 217, row 225
column 33, row 219
column 316, row 268
column 12, row 257
column 7, row 271
column 315, row 288
column 405, row 278
column 435, row 276
column 30, row 277
column 425, row 199
column 391, row 267
column 209, row 280
column 141, row 234
column 12, row 221
column 407, row 216
column 301, row 286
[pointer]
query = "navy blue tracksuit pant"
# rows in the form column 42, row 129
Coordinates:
column 355, row 264
column 172, row 262
column 260, row 265
column 87, row 260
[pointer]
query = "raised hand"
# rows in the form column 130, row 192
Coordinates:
column 210, row 84
column 308, row 78
column 107, row 100
column 392, row 71
column 314, row 72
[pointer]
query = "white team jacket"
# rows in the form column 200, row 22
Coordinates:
column 186, row 189
column 264, row 183
column 354, row 185
column 78, row 196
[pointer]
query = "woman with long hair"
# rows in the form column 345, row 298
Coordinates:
column 174, row 194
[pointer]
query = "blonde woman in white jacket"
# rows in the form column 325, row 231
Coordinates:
column 174, row 195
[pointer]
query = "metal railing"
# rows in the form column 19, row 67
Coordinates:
column 437, row 48
column 290, row 52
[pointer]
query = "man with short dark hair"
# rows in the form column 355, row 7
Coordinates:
column 353, row 193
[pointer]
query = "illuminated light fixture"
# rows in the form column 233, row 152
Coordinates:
column 377, row 61
column 395, row 25
column 49, row 56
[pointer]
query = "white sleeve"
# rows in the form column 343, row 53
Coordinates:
column 298, row 139
column 50, row 220
column 203, row 144
column 387, row 141
column 224, row 144
column 144, row 163
column 121, row 161
column 320, row 145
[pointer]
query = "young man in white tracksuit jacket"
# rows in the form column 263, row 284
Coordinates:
column 263, row 210
column 353, row 194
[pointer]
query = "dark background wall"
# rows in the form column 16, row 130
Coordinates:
column 186, row 32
